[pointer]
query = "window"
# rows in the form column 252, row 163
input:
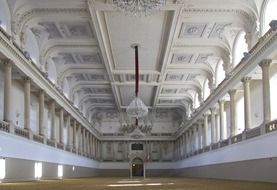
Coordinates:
column 2, row 168
column 270, row 13
column 137, row 146
column 38, row 170
column 239, row 48
column 60, row 171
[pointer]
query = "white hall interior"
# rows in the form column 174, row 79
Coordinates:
column 208, row 76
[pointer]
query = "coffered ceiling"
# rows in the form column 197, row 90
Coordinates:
column 88, row 42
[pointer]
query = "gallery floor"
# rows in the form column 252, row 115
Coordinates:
column 101, row 183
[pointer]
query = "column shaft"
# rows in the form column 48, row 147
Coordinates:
column 27, row 103
column 205, row 139
column 265, row 64
column 221, row 117
column 61, row 126
column 41, row 113
column 53, row 119
column 68, row 130
column 247, row 103
column 233, row 120
column 213, row 131
column 199, row 135
column 74, row 133
column 8, row 92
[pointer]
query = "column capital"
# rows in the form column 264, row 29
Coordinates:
column 221, row 101
column 246, row 79
column 52, row 103
column 232, row 92
column 206, row 114
column 265, row 63
column 41, row 92
column 27, row 79
column 213, row 109
column 7, row 62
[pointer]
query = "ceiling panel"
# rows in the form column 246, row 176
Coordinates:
column 126, row 30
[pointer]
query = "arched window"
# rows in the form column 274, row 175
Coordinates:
column 196, row 101
column 31, row 46
column 66, row 88
column 268, row 13
column 51, row 70
column 4, row 16
column 206, row 91
column 220, row 74
column 240, row 46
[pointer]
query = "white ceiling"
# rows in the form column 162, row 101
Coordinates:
column 89, row 44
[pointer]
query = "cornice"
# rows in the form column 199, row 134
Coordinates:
column 12, row 52
column 259, row 52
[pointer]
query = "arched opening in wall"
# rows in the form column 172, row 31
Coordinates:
column 5, row 16
column 240, row 46
column 206, row 89
column 31, row 46
column 273, row 95
column 137, row 167
column 196, row 102
column 51, row 70
column 269, row 13
column 66, row 88
column 219, row 74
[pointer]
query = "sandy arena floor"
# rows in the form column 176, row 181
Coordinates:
column 101, row 183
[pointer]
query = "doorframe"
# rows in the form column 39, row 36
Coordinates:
column 131, row 167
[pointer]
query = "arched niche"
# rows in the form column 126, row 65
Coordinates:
column 5, row 16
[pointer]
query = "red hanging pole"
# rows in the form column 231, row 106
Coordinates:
column 137, row 71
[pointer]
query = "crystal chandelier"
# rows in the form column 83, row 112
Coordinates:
column 138, row 7
column 137, row 108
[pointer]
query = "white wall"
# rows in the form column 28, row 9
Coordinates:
column 255, row 148
column 256, row 102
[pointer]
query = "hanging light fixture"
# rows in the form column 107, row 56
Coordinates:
column 136, row 108
column 138, row 7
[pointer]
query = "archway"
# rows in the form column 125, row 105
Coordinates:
column 137, row 167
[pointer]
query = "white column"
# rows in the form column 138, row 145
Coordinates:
column 265, row 65
column 199, row 122
column 68, row 130
column 221, row 116
column 80, row 138
column 233, row 127
column 61, row 126
column 213, row 131
column 247, row 103
column 74, row 134
column 53, row 118
column 8, row 92
column 84, row 140
column 27, row 103
column 194, row 138
column 205, row 139
column 41, row 113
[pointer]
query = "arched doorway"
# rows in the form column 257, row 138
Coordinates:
column 137, row 167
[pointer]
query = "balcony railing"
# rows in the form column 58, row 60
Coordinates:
column 271, row 126
column 22, row 132
column 4, row 126
column 252, row 133
column 38, row 138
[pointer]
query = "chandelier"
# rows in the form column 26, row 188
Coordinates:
column 136, row 108
column 138, row 7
